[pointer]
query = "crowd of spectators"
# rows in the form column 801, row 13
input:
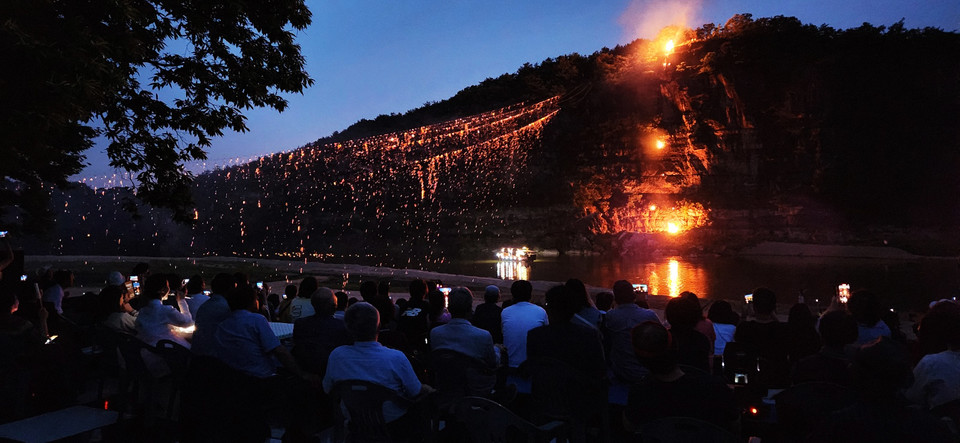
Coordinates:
column 688, row 360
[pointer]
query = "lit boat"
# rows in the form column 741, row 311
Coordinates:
column 523, row 254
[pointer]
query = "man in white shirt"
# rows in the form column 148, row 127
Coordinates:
column 195, row 294
column 518, row 319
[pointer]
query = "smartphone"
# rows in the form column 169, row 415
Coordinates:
column 259, row 285
column 843, row 292
column 134, row 278
column 748, row 298
column 184, row 282
column 136, row 286
column 445, row 291
column 50, row 339
column 637, row 287
column 207, row 292
column 23, row 277
column 4, row 233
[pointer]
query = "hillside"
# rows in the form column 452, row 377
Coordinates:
column 755, row 130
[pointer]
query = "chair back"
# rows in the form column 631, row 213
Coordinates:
column 560, row 391
column 800, row 408
column 741, row 363
column 458, row 375
column 683, row 430
column 488, row 421
column 363, row 402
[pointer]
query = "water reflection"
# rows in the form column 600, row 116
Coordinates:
column 513, row 270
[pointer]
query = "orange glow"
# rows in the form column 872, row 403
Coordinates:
column 661, row 144
column 674, row 267
column 668, row 47
column 652, row 208
column 673, row 228
column 754, row 411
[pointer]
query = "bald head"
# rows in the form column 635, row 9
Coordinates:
column 324, row 301
column 362, row 321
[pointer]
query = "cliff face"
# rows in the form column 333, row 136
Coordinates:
column 765, row 130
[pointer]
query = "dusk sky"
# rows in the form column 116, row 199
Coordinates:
column 372, row 57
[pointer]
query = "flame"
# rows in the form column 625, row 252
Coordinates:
column 673, row 228
column 661, row 144
column 668, row 47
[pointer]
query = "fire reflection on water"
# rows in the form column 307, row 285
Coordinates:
column 669, row 278
column 513, row 270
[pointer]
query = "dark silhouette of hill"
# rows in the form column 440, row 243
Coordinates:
column 763, row 129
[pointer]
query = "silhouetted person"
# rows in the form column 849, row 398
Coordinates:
column 618, row 323
column 768, row 336
column 937, row 376
column 803, row 339
column 693, row 348
column 838, row 330
column 587, row 314
column 670, row 391
column 487, row 314
column 725, row 323
column 865, row 307
column 881, row 370
column 518, row 319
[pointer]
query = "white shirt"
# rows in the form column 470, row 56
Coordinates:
column 936, row 380
column 194, row 301
column 155, row 322
column 299, row 308
column 518, row 319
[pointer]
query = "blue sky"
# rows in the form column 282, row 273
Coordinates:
column 371, row 57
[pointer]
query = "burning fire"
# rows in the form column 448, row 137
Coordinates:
column 668, row 47
column 661, row 144
column 673, row 228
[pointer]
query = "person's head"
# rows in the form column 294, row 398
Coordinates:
column 461, row 302
column 578, row 291
column 362, row 321
column 142, row 270
column 324, row 302
column 604, row 300
column 764, row 301
column 222, row 284
column 115, row 279
column 156, row 287
column 561, row 304
column 368, row 290
column 491, row 294
column 683, row 313
column 418, row 289
column 388, row 311
column 521, row 290
column 242, row 297
column 437, row 303
column 692, row 297
column 881, row 369
column 64, row 278
column 801, row 317
column 940, row 328
column 273, row 301
column 865, row 307
column 307, row 287
column 174, row 282
column 241, row 278
column 290, row 291
column 352, row 301
column 654, row 347
column 623, row 293
column 383, row 288
column 722, row 312
column 342, row 300
column 196, row 284
column 8, row 302
column 837, row 329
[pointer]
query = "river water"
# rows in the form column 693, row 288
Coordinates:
column 901, row 284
